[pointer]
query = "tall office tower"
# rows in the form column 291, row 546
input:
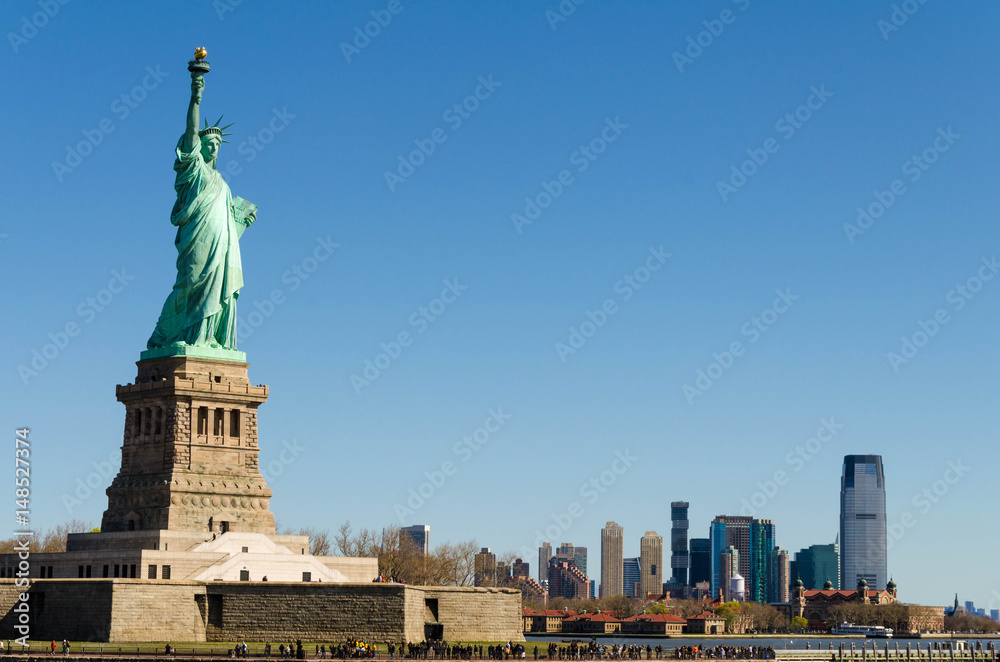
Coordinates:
column 729, row 531
column 816, row 564
column 701, row 561
column 611, row 560
column 631, row 573
column 778, row 581
column 485, row 568
column 420, row 534
column 651, row 564
column 544, row 554
column 521, row 570
column 761, row 546
column 862, row 522
column 728, row 564
column 679, row 559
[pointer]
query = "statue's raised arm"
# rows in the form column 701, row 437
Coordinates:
column 193, row 116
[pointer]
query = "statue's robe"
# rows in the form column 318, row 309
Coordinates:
column 201, row 309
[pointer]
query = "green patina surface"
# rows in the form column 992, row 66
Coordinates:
column 195, row 352
column 199, row 315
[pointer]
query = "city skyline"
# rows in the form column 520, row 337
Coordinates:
column 765, row 569
column 732, row 253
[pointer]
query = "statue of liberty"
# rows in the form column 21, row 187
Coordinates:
column 201, row 309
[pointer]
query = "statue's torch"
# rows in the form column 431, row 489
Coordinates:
column 199, row 65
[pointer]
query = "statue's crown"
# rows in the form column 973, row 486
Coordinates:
column 215, row 130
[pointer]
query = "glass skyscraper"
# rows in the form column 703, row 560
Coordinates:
column 679, row 559
column 729, row 531
column 631, row 575
column 761, row 546
column 862, row 522
column 701, row 561
column 816, row 564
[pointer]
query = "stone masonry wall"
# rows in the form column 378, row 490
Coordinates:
column 152, row 610
column 272, row 611
column 60, row 609
column 478, row 614
column 127, row 610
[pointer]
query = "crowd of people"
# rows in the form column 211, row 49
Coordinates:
column 594, row 651
column 442, row 650
column 723, row 652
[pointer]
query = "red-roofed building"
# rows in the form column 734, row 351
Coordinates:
column 595, row 623
column 706, row 623
column 814, row 604
column 653, row 624
column 545, row 620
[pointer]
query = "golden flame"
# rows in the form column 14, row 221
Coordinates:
column 200, row 53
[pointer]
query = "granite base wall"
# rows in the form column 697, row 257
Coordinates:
column 134, row 610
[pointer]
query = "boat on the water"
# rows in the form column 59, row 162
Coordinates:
column 870, row 631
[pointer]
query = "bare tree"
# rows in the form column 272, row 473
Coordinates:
column 620, row 606
column 344, row 541
column 319, row 540
column 765, row 618
column 52, row 540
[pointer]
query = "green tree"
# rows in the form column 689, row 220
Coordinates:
column 730, row 611
column 799, row 623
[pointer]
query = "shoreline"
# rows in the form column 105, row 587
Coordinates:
column 558, row 637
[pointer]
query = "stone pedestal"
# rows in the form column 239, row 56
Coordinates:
column 190, row 454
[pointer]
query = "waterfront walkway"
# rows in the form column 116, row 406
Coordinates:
column 888, row 656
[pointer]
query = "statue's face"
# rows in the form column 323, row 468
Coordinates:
column 210, row 147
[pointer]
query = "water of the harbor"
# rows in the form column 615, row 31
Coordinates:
column 791, row 643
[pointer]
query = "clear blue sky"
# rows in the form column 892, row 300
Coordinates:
column 318, row 127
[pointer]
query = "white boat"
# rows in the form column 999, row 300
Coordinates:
column 870, row 631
